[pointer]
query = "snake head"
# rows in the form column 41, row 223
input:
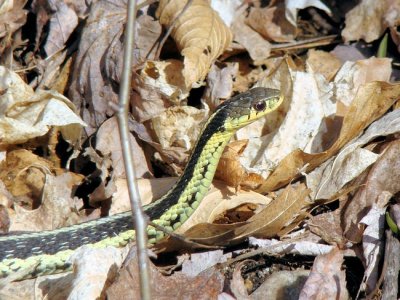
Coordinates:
column 247, row 107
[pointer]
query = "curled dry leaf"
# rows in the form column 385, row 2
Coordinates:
column 23, row 174
column 327, row 279
column 372, row 101
column 231, row 171
column 199, row 33
column 25, row 114
column 237, row 284
column 384, row 176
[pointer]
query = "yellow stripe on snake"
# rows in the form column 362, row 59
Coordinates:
column 47, row 252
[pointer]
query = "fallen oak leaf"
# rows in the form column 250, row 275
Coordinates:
column 199, row 33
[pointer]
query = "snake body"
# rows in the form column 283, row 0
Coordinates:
column 39, row 253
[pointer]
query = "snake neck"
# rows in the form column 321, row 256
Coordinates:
column 172, row 210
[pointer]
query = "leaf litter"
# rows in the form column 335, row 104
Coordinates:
column 312, row 180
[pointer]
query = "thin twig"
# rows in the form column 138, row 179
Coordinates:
column 138, row 215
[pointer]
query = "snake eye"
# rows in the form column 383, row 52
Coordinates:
column 259, row 106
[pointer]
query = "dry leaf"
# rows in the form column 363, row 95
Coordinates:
column 373, row 241
column 282, row 285
column 206, row 285
column 98, row 63
column 237, row 284
column 201, row 261
column 25, row 114
column 12, row 16
column 327, row 226
column 108, row 143
column 327, row 179
column 179, row 126
column 369, row 19
column 199, row 33
column 159, row 84
column 327, row 279
column 57, row 208
column 280, row 213
column 372, row 101
column 258, row 48
column 229, row 167
column 354, row 74
column 384, row 176
column 271, row 22
column 324, row 63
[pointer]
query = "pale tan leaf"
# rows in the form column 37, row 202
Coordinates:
column 25, row 114
column 327, row 279
column 199, row 33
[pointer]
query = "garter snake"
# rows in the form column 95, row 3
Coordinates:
column 47, row 252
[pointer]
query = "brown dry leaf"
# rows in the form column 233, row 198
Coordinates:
column 271, row 23
column 229, row 168
column 57, row 208
column 258, row 48
column 280, row 213
column 109, row 144
column 327, row 226
column 207, row 285
column 324, row 63
column 98, row 63
column 12, row 16
column 23, row 174
column 62, row 22
column 220, row 82
column 199, row 262
column 199, row 33
column 372, row 101
column 383, row 177
column 149, row 190
column 327, row 279
column 369, row 19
